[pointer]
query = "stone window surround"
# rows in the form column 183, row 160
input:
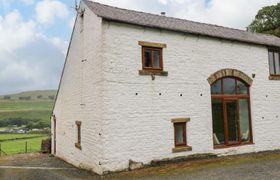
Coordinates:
column 274, row 76
column 229, row 73
column 152, row 71
column 185, row 147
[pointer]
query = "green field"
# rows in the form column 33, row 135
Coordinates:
column 37, row 107
column 18, row 146
column 17, row 136
column 13, row 105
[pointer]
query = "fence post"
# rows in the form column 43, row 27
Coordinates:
column 0, row 150
column 26, row 147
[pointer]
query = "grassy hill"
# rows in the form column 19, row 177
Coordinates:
column 27, row 107
column 34, row 95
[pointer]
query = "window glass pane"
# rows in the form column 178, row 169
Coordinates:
column 244, row 120
column 218, row 122
column 271, row 63
column 241, row 88
column 156, row 59
column 232, row 120
column 216, row 88
column 179, row 130
column 276, row 62
column 229, row 86
column 148, row 58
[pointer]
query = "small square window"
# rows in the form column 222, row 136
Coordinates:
column 152, row 58
column 180, row 134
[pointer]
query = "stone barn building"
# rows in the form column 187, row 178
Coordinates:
column 139, row 87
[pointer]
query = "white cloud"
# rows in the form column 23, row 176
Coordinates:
column 236, row 14
column 230, row 13
column 72, row 22
column 48, row 10
column 28, row 2
column 60, row 44
column 29, row 59
column 14, row 33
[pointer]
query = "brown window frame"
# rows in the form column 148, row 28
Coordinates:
column 78, row 143
column 235, row 97
column 152, row 58
column 184, row 124
column 274, row 64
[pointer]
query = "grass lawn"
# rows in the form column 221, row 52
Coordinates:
column 14, row 136
column 18, row 146
column 25, row 105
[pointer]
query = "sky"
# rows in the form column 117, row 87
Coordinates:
column 34, row 34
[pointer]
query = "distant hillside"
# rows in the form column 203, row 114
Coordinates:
column 32, row 108
column 31, row 95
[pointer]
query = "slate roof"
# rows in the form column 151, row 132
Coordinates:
column 180, row 25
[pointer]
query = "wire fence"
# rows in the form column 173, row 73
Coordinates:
column 16, row 147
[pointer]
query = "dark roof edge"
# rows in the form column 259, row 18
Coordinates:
column 189, row 32
column 270, row 44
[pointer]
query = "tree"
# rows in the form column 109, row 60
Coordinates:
column 267, row 21
column 7, row 97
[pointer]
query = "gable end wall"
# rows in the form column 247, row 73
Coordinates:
column 80, row 96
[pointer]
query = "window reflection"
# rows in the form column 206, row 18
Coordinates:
column 241, row 88
column 229, row 86
column 216, row 88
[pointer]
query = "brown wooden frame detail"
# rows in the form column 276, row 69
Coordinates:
column 274, row 76
column 78, row 143
column 235, row 97
column 54, row 134
column 185, row 135
column 183, row 146
column 229, row 73
column 152, row 69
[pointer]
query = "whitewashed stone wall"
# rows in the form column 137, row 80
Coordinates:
column 138, row 127
column 123, row 115
column 80, row 96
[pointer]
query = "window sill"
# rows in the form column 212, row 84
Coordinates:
column 153, row 72
column 180, row 120
column 181, row 149
column 77, row 145
column 233, row 145
column 274, row 77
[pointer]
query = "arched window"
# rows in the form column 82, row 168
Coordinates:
column 231, row 112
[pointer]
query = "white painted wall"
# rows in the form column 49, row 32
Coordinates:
column 138, row 127
column 118, row 125
column 80, row 96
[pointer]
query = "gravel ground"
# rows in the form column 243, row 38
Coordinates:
column 250, row 166
column 40, row 167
